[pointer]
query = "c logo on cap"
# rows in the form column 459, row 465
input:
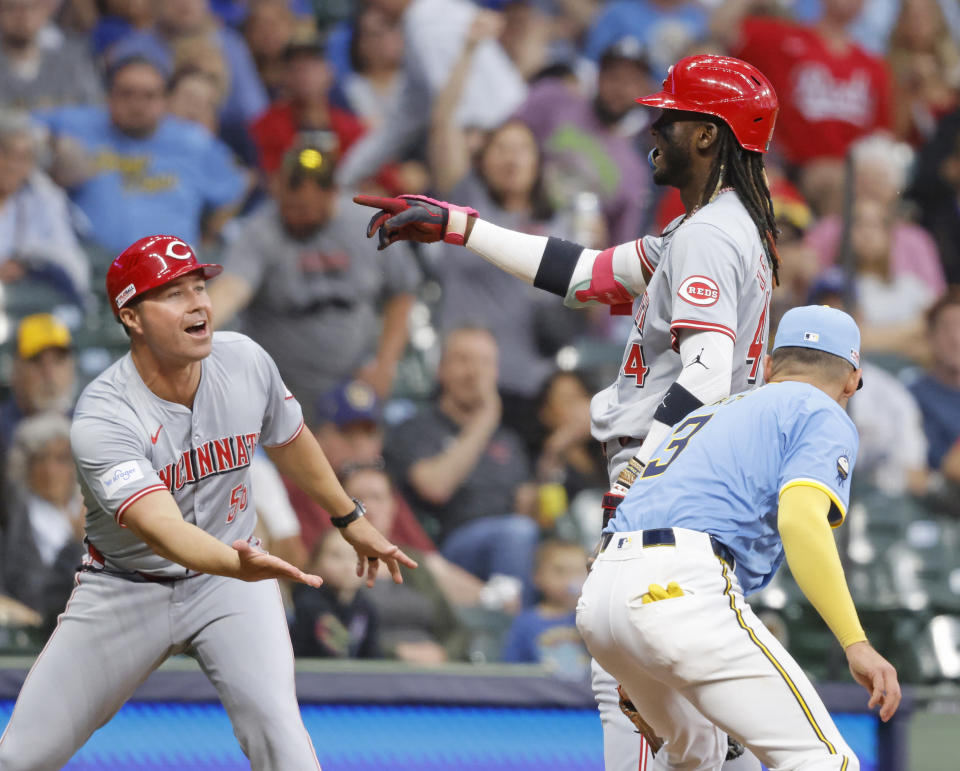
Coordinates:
column 173, row 250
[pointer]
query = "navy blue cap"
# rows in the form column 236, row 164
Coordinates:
column 833, row 281
column 822, row 328
column 350, row 402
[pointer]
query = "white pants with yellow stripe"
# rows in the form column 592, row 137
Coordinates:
column 702, row 664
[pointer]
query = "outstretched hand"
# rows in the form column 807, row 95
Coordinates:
column 877, row 675
column 415, row 218
column 371, row 547
column 256, row 565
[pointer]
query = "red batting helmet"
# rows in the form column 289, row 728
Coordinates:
column 151, row 262
column 727, row 88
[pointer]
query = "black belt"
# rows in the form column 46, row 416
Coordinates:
column 664, row 536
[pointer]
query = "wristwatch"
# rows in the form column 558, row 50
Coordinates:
column 358, row 511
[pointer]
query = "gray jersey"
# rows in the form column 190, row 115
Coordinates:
column 710, row 273
column 128, row 442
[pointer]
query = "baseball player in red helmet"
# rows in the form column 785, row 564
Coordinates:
column 699, row 293
column 163, row 441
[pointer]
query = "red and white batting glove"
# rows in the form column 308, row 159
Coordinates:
column 416, row 218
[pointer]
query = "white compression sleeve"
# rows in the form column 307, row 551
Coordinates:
column 707, row 365
column 520, row 255
column 707, row 368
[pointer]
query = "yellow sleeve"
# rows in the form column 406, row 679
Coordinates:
column 814, row 561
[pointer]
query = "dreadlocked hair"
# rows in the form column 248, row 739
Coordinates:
column 743, row 171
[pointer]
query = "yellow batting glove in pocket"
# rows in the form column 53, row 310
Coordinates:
column 656, row 592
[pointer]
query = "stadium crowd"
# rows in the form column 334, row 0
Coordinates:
column 450, row 397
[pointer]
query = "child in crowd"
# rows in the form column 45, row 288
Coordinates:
column 547, row 634
column 337, row 620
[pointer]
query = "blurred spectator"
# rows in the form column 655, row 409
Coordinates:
column 347, row 426
column 665, row 27
column 547, row 633
column 434, row 35
column 36, row 233
column 925, row 63
column 117, row 20
column 305, row 106
column 936, row 190
column 417, row 622
column 199, row 52
column 337, row 620
column 583, row 148
column 505, row 183
column 133, row 169
column 179, row 19
column 372, row 87
column 339, row 36
column 892, row 456
column 799, row 262
column 881, row 167
column 527, row 34
column 41, row 71
column 831, row 90
column 568, row 456
column 44, row 515
column 195, row 95
column 312, row 291
column 269, row 27
column 348, row 429
column 43, row 376
column 938, row 391
column 466, row 476
column 892, row 301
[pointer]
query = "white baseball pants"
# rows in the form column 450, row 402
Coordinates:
column 702, row 664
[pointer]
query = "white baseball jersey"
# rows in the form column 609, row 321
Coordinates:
column 128, row 442
column 710, row 273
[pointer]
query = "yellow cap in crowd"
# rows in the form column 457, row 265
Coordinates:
column 40, row 331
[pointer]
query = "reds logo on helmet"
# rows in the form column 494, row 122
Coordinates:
column 699, row 290
column 179, row 250
column 150, row 262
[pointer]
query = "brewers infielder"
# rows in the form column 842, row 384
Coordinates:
column 701, row 323
column 163, row 440
column 735, row 488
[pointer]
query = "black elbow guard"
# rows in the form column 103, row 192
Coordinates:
column 557, row 265
column 676, row 404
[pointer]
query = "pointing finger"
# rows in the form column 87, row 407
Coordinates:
column 377, row 202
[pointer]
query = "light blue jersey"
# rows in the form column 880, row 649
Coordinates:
column 725, row 465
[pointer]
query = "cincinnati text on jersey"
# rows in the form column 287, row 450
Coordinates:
column 218, row 456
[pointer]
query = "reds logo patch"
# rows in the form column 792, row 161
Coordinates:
column 700, row 291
